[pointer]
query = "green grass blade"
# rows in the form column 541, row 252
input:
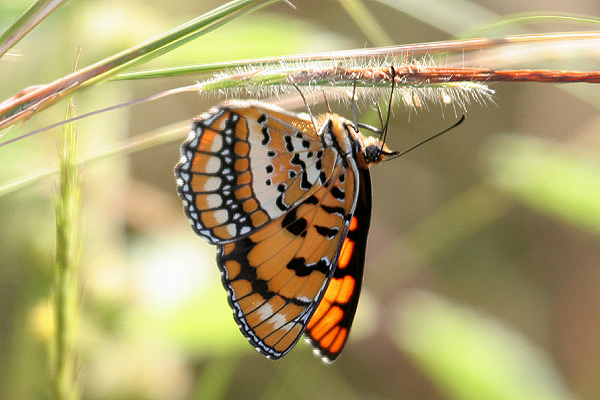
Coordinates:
column 65, row 291
column 26, row 22
column 181, row 35
column 452, row 17
column 40, row 98
column 364, row 19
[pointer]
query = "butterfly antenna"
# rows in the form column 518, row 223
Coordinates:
column 353, row 105
column 380, row 118
column 312, row 117
column 389, row 111
column 399, row 154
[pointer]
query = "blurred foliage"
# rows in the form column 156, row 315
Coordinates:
column 549, row 176
column 482, row 271
column 472, row 356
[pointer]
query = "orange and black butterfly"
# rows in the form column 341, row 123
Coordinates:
column 289, row 209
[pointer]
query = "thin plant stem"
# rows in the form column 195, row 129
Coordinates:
column 65, row 298
column 26, row 22
column 33, row 99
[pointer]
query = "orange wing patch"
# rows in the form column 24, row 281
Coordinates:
column 329, row 326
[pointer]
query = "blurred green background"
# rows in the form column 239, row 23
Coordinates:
column 483, row 266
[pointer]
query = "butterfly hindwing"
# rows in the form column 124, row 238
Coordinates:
column 276, row 276
column 245, row 164
column 329, row 326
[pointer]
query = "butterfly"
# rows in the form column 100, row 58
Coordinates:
column 287, row 200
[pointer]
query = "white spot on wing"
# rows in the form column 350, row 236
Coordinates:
column 184, row 176
column 213, row 165
column 221, row 216
column 219, row 126
column 287, row 326
column 214, row 200
column 278, row 321
column 232, row 230
column 217, row 144
column 265, row 311
column 212, row 184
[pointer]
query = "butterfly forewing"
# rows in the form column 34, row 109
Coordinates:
column 244, row 165
column 276, row 276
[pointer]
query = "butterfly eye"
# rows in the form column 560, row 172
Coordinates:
column 372, row 152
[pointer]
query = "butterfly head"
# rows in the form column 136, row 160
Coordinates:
column 373, row 151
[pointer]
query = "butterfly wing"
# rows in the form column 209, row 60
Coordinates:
column 245, row 164
column 330, row 324
column 279, row 199
column 276, row 276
